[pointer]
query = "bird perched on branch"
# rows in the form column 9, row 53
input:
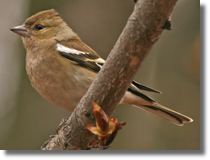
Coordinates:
column 61, row 67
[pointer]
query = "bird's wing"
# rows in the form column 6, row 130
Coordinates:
column 145, row 88
column 84, row 56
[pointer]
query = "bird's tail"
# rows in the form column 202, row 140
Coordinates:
column 166, row 113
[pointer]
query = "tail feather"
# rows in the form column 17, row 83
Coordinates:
column 166, row 113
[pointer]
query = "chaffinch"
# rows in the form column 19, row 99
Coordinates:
column 61, row 67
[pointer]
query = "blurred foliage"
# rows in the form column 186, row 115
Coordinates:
column 173, row 66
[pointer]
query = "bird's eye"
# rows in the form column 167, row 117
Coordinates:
column 39, row 26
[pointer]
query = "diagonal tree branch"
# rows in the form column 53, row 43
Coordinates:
column 142, row 30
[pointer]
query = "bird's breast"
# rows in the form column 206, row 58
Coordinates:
column 58, row 80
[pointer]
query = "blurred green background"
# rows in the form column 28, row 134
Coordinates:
column 173, row 67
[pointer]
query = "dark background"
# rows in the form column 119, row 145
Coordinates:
column 173, row 67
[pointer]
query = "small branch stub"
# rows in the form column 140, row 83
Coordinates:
column 167, row 25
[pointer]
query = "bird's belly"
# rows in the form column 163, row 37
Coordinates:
column 61, row 86
column 61, row 91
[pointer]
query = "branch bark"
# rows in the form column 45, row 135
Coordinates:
column 142, row 30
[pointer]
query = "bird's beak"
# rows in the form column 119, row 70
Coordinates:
column 21, row 30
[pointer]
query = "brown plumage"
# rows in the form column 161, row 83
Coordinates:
column 61, row 67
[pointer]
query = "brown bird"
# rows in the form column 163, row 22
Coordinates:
column 61, row 67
